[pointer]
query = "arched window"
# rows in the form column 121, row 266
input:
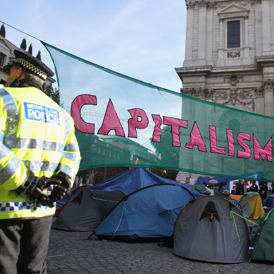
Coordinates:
column 235, row 126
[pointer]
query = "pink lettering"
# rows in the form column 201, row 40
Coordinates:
column 213, row 141
column 111, row 122
column 175, row 129
column 76, row 106
column 266, row 152
column 157, row 129
column 196, row 139
column 134, row 123
column 230, row 141
column 247, row 151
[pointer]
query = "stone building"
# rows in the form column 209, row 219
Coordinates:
column 229, row 54
column 6, row 53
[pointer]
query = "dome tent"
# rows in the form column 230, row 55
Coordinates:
column 147, row 215
column 134, row 179
column 205, row 230
column 89, row 205
column 86, row 209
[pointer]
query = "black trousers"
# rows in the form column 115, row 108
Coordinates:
column 24, row 245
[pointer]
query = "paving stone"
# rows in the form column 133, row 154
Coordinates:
column 71, row 252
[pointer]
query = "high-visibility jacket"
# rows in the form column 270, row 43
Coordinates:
column 36, row 134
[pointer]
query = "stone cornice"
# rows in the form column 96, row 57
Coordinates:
column 211, row 3
column 227, row 96
column 224, row 1
column 260, row 61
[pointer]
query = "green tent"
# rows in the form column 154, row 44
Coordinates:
column 263, row 238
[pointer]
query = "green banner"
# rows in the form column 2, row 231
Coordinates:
column 121, row 121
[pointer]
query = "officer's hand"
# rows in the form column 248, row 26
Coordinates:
column 57, row 193
column 44, row 187
column 36, row 187
column 44, row 190
column 64, row 178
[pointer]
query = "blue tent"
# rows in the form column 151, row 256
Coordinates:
column 62, row 202
column 269, row 203
column 134, row 179
column 149, row 214
column 202, row 179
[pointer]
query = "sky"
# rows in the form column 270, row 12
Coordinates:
column 143, row 39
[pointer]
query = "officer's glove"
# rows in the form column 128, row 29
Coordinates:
column 41, row 189
column 58, row 192
column 64, row 178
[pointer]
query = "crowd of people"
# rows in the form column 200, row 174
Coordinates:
column 240, row 189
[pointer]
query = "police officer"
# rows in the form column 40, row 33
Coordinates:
column 39, row 159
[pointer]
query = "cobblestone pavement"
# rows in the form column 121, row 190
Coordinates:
column 72, row 252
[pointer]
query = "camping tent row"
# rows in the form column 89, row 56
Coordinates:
column 158, row 212
column 88, row 206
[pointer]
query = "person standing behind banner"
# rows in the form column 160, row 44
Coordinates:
column 39, row 159
column 254, row 187
column 263, row 192
column 272, row 187
column 239, row 188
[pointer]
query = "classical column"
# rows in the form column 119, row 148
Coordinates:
column 258, row 28
column 221, row 33
column 246, row 59
column 266, row 27
column 202, row 33
column 209, row 33
column 189, row 34
column 220, row 61
column 268, row 97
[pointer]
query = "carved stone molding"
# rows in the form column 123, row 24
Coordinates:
column 235, row 96
column 210, row 5
column 255, row 2
column 259, row 92
column 202, row 93
column 190, row 5
column 202, row 4
column 268, row 84
column 231, row 54
column 229, row 96
column 221, row 5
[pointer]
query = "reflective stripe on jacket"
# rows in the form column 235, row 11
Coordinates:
column 36, row 134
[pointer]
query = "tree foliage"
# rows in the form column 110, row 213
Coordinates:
column 166, row 152
column 3, row 31
column 165, row 173
column 30, row 49
column 38, row 56
column 23, row 44
column 51, row 92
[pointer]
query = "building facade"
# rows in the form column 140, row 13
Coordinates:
column 6, row 53
column 229, row 54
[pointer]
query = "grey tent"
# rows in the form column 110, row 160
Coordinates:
column 86, row 209
column 206, row 230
